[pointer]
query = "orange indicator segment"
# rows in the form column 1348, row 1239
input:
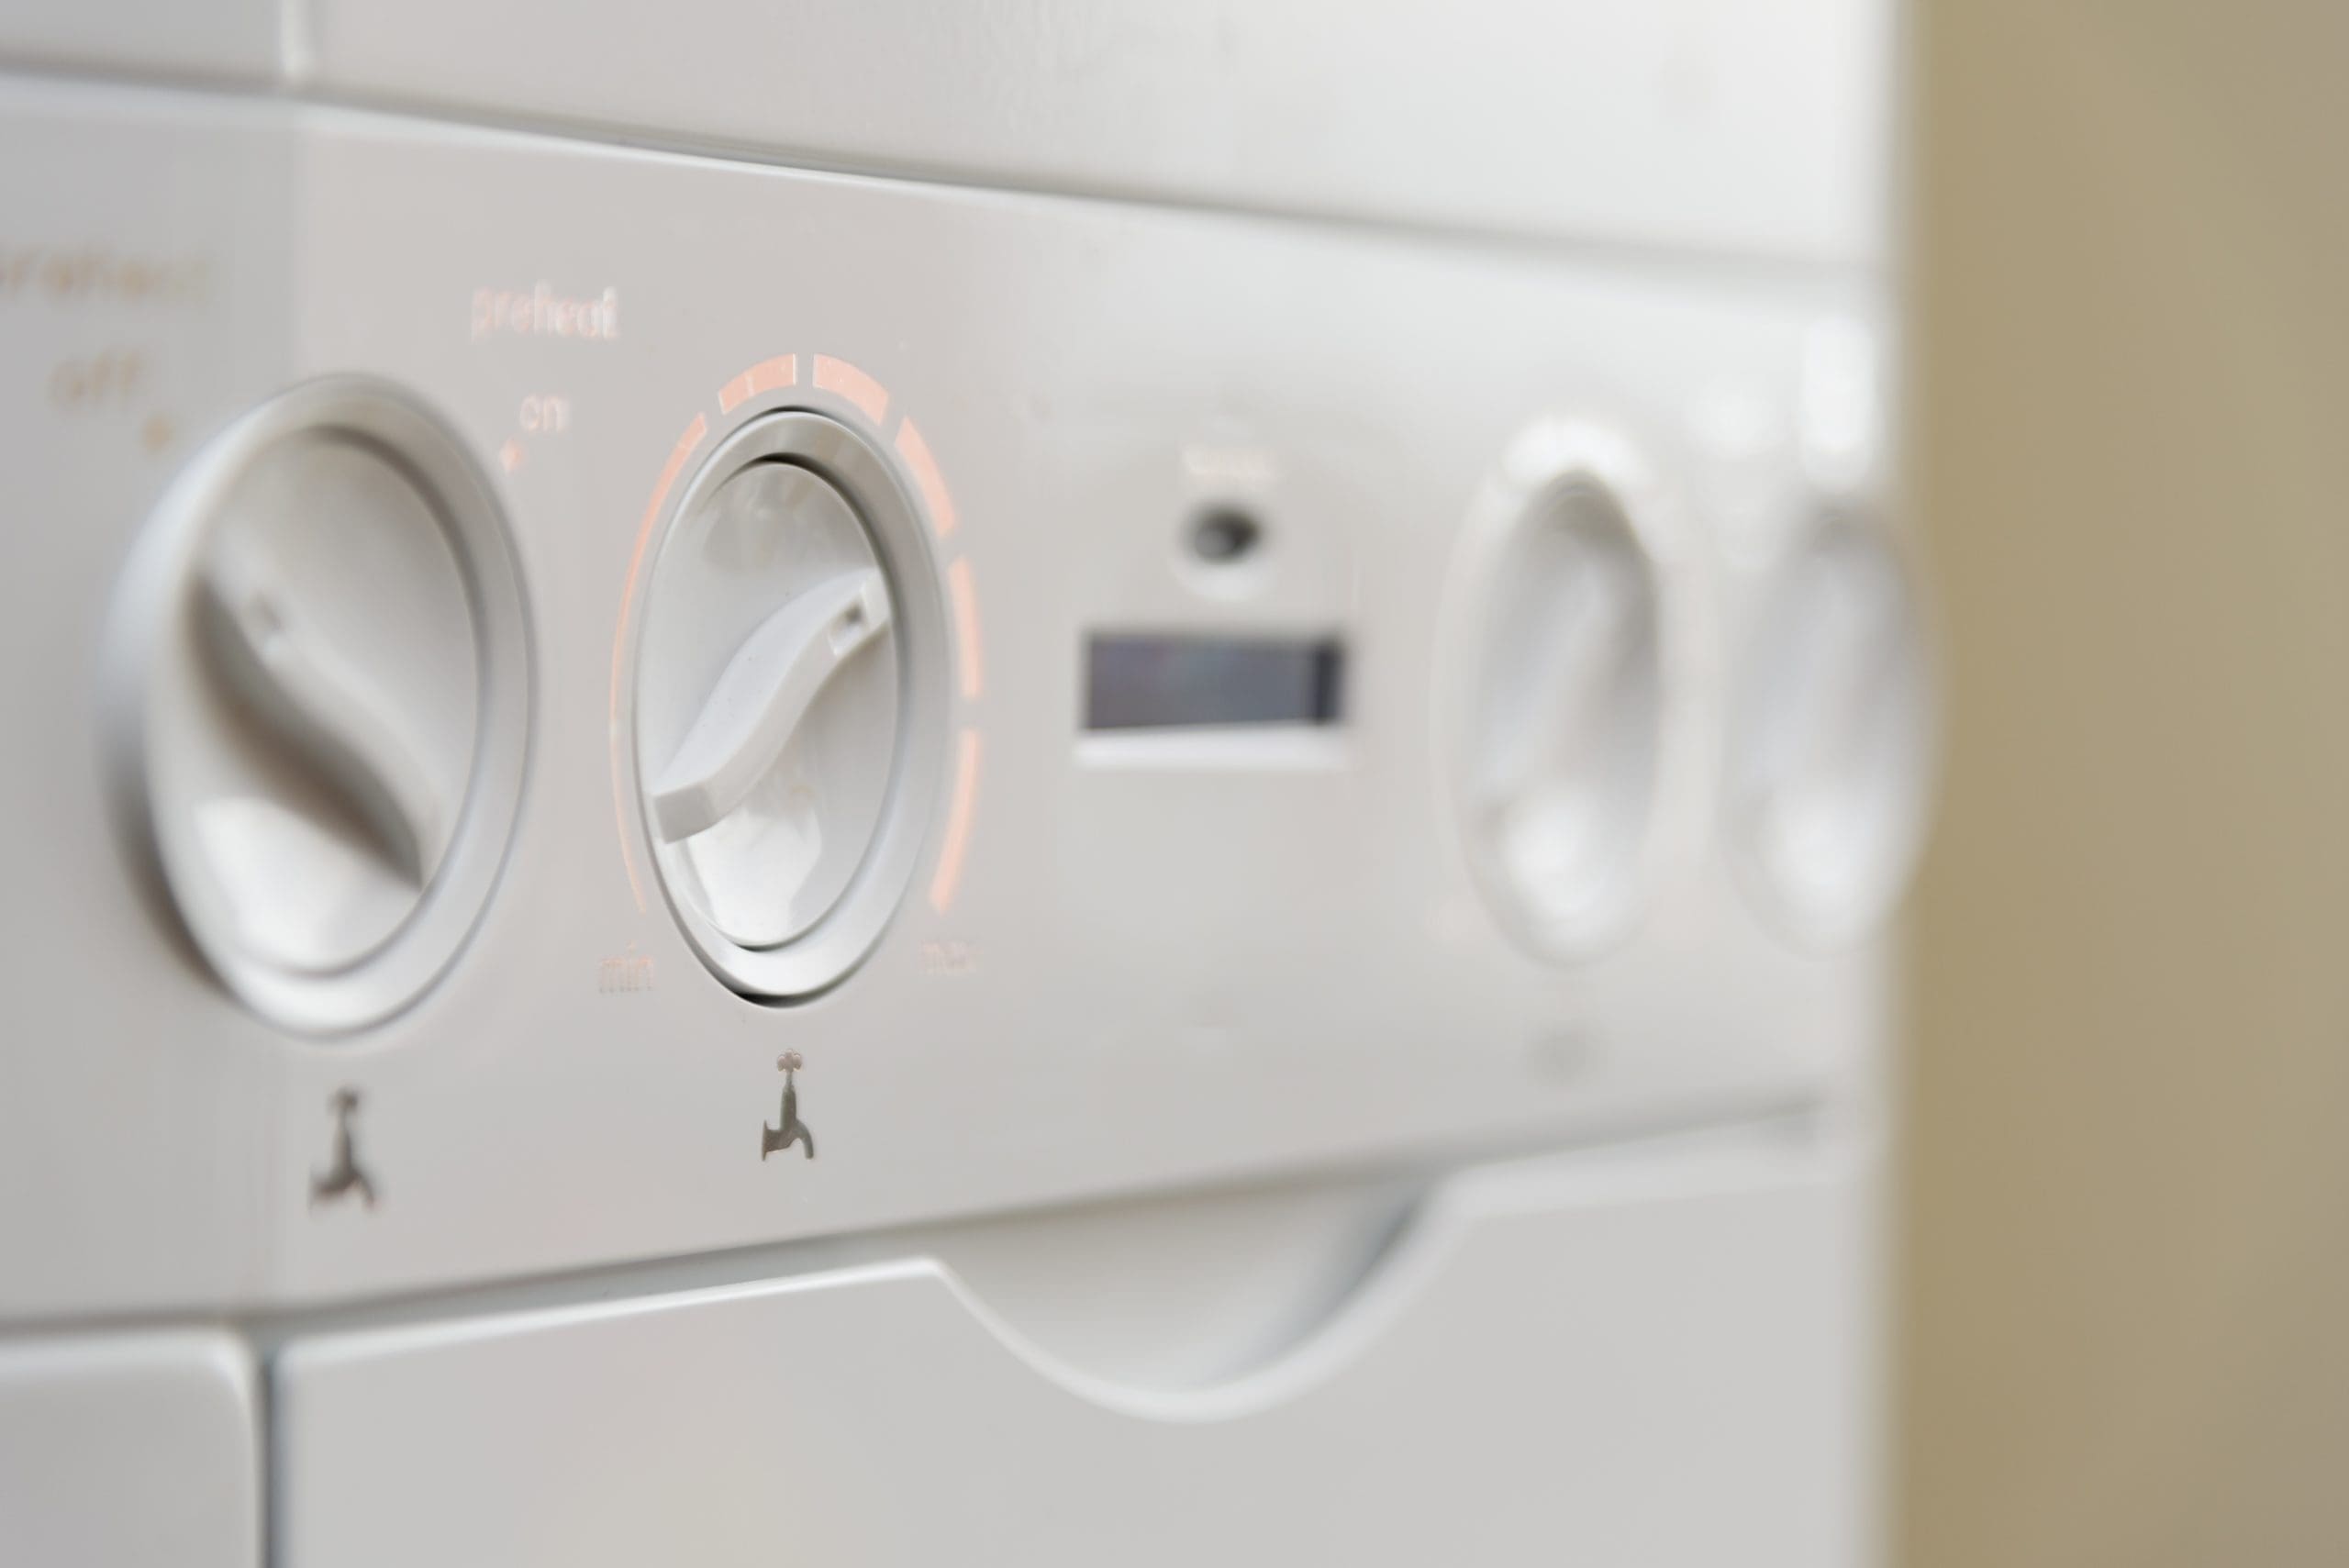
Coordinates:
column 966, row 626
column 841, row 377
column 949, row 875
column 762, row 377
column 924, row 467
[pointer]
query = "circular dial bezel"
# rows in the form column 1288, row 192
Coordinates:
column 851, row 463
column 152, row 660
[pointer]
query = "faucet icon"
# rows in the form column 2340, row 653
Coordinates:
column 793, row 1129
column 344, row 1175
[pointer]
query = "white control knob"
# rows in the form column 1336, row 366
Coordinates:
column 1558, row 736
column 771, row 698
column 321, row 651
column 1831, row 745
column 767, row 713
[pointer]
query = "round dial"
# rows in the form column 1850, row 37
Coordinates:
column 767, row 733
column 1561, row 718
column 776, row 671
column 325, row 677
column 1830, row 747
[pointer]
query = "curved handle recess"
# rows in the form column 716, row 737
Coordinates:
column 312, row 701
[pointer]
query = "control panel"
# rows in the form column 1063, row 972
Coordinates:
column 1331, row 715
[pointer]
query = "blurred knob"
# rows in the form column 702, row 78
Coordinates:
column 1831, row 741
column 1563, row 711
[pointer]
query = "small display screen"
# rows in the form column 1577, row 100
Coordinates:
column 1170, row 683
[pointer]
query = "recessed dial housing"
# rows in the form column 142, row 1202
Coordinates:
column 1559, row 629
column 789, row 704
column 322, row 664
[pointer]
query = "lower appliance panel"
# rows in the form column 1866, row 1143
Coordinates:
column 1630, row 1356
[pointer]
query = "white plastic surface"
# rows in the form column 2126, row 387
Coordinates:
column 1760, row 127
column 1633, row 1358
column 131, row 1167
column 239, row 40
column 129, row 1450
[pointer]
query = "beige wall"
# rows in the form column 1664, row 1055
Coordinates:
column 2128, row 1208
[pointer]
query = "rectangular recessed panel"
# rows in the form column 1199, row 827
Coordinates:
column 1183, row 683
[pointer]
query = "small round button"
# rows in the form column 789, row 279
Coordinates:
column 1831, row 741
column 321, row 648
column 776, row 671
column 1559, row 729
